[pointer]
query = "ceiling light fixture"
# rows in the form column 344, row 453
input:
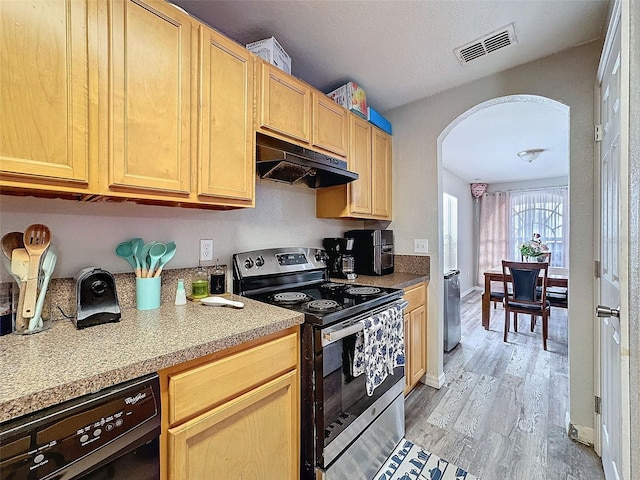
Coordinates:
column 530, row 155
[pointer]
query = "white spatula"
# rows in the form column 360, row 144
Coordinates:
column 221, row 302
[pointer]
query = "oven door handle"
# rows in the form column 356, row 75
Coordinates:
column 338, row 334
column 330, row 337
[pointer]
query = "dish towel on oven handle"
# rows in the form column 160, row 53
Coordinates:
column 379, row 347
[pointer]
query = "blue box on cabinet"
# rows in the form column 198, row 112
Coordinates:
column 378, row 120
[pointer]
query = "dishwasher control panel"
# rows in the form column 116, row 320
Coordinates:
column 40, row 445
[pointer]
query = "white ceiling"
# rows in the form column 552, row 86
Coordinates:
column 403, row 50
column 484, row 146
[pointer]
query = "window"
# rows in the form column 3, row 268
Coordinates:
column 450, row 232
column 543, row 211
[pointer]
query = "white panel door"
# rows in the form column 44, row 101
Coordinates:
column 613, row 213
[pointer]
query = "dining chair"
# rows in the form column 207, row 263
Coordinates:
column 557, row 296
column 523, row 296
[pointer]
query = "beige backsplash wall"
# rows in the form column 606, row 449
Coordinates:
column 62, row 291
column 86, row 233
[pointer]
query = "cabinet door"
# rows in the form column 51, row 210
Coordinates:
column 44, row 90
column 360, row 162
column 381, row 175
column 417, row 351
column 226, row 142
column 285, row 104
column 149, row 99
column 252, row 436
column 330, row 125
column 407, row 353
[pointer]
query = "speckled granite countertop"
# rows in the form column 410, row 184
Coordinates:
column 393, row 280
column 63, row 363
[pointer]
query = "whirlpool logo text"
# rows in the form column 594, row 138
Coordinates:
column 136, row 399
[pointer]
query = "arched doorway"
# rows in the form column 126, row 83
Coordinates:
column 481, row 145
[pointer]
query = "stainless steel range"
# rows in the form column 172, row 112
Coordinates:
column 346, row 432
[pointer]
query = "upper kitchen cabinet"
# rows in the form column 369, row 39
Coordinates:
column 226, row 143
column 381, row 174
column 147, row 86
column 46, row 95
column 284, row 109
column 330, row 125
column 369, row 197
column 291, row 110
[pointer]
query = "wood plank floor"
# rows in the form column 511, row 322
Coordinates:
column 501, row 413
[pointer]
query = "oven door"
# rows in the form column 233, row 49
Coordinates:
column 343, row 409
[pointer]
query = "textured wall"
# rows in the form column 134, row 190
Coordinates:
column 567, row 77
column 86, row 233
column 455, row 186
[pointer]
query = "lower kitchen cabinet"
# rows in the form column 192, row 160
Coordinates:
column 415, row 335
column 247, row 437
column 234, row 414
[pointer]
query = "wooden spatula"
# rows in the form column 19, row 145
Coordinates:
column 36, row 241
column 20, row 268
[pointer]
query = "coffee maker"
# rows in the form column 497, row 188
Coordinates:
column 341, row 262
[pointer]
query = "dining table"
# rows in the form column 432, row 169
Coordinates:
column 556, row 277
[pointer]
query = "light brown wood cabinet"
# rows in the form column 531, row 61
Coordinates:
column 330, row 125
column 226, row 145
column 415, row 335
column 124, row 99
column 47, row 95
column 381, row 175
column 147, row 88
column 234, row 414
column 369, row 197
column 291, row 110
column 285, row 105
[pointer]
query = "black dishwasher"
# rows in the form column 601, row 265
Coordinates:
column 111, row 434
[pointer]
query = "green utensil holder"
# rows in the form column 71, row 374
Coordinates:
column 148, row 292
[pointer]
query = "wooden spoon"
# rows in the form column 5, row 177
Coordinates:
column 20, row 268
column 36, row 241
column 9, row 243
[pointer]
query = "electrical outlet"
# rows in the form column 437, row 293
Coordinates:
column 421, row 245
column 206, row 250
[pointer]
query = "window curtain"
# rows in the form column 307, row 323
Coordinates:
column 493, row 243
column 544, row 211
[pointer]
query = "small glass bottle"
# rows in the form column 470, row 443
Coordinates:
column 181, row 297
column 199, row 283
column 218, row 280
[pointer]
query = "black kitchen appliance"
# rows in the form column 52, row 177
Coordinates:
column 111, row 434
column 341, row 423
column 285, row 162
column 372, row 251
column 96, row 297
column 341, row 262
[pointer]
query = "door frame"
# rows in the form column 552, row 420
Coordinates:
column 619, row 18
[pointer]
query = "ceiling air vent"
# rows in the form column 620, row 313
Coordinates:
column 503, row 37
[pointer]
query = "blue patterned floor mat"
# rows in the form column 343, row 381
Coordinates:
column 411, row 462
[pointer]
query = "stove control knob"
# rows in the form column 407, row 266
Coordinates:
column 259, row 261
column 248, row 263
column 321, row 256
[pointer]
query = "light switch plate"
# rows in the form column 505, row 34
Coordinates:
column 421, row 245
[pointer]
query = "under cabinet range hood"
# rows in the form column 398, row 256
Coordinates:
column 288, row 163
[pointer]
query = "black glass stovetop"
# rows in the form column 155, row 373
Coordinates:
column 325, row 303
